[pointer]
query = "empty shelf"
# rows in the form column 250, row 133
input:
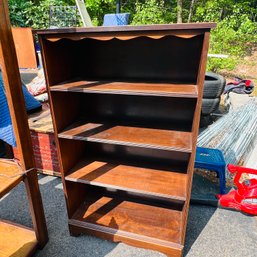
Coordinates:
column 16, row 240
column 129, row 218
column 143, row 181
column 129, row 88
column 9, row 176
column 130, row 136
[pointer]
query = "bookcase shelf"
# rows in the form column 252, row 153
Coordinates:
column 10, row 176
column 128, row 88
column 142, row 181
column 125, row 214
column 131, row 136
column 126, row 106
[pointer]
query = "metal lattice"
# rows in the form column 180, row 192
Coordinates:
column 63, row 16
column 233, row 134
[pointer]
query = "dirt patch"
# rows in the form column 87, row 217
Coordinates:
column 212, row 176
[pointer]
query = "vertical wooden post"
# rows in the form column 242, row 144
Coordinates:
column 196, row 121
column 13, row 88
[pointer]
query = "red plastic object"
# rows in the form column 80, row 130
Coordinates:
column 245, row 197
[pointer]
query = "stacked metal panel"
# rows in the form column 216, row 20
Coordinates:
column 233, row 133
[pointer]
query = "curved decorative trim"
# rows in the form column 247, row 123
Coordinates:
column 119, row 37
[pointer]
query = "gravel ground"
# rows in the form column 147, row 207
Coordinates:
column 211, row 231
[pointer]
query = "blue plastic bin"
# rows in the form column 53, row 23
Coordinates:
column 116, row 19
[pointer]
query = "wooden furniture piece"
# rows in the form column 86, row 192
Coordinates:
column 43, row 142
column 16, row 240
column 25, row 48
column 126, row 104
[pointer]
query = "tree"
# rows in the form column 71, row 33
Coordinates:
column 191, row 10
column 179, row 11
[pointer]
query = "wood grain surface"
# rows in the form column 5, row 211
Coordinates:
column 129, row 88
column 9, row 176
column 163, row 184
column 16, row 240
column 133, row 136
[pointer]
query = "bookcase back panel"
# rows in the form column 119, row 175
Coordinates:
column 61, row 60
column 67, row 109
column 77, row 148
column 153, row 112
column 127, row 155
column 138, row 156
column 139, row 111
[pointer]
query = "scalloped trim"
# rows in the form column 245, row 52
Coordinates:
column 120, row 37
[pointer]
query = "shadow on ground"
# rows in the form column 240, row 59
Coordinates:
column 210, row 231
column 14, row 207
column 198, row 218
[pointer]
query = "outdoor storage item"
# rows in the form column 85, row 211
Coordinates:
column 43, row 142
column 17, row 240
column 126, row 124
column 25, row 48
column 212, row 159
column 244, row 198
column 233, row 133
column 116, row 19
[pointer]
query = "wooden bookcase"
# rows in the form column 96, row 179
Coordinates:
column 126, row 105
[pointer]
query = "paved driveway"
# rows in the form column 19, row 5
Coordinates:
column 211, row 232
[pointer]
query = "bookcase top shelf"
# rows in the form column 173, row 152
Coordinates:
column 144, row 28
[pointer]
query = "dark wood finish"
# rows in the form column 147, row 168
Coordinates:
column 124, row 60
column 188, row 27
column 126, row 215
column 126, row 123
column 122, row 154
column 131, row 136
column 158, row 183
column 170, row 249
column 200, row 82
column 128, row 88
column 124, row 110
column 12, row 82
column 129, row 220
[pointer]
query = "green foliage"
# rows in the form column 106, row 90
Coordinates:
column 152, row 12
column 25, row 13
column 217, row 10
column 20, row 12
column 98, row 8
column 235, row 35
